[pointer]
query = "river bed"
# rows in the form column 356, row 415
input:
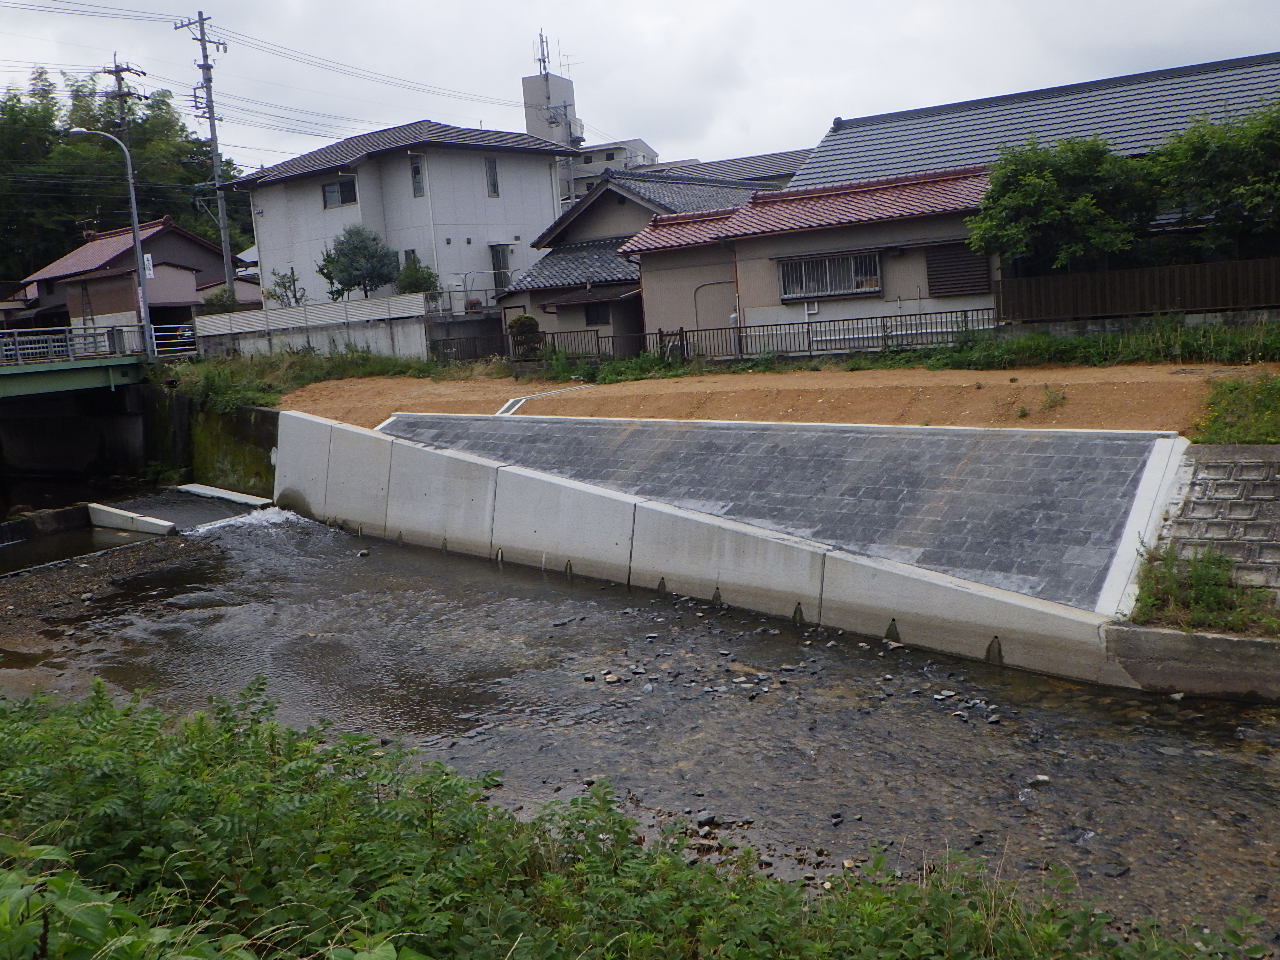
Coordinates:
column 812, row 746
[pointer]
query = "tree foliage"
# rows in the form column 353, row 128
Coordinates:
column 1225, row 177
column 1062, row 206
column 1077, row 204
column 53, row 187
column 358, row 260
column 417, row 277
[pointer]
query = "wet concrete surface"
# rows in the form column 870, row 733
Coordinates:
column 811, row 746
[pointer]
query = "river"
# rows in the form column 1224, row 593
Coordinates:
column 810, row 745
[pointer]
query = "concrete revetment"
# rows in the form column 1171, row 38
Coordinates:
column 487, row 486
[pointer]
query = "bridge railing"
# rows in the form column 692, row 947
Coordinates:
column 57, row 344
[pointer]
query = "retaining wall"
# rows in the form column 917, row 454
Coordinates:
column 379, row 485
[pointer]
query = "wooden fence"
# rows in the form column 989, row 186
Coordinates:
column 1229, row 285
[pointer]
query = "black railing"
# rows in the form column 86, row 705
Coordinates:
column 806, row 339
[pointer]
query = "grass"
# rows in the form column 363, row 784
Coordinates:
column 1197, row 593
column 225, row 383
column 1242, row 411
column 126, row 834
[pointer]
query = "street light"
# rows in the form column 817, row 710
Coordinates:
column 144, row 304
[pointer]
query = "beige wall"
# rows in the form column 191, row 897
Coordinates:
column 904, row 281
column 687, row 288
column 610, row 216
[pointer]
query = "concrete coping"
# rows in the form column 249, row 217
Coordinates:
column 113, row 518
column 218, row 493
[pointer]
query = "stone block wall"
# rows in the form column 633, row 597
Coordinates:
column 1231, row 504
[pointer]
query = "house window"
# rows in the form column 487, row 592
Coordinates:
column 586, row 158
column 491, row 175
column 410, row 258
column 955, row 270
column 597, row 314
column 839, row 275
column 340, row 193
column 415, row 174
column 609, row 155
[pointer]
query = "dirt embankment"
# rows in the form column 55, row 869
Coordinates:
column 1135, row 397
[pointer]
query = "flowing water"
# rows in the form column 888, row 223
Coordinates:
column 811, row 745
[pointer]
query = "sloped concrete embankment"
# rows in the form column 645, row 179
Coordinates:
column 389, row 487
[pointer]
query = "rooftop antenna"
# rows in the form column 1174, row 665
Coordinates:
column 544, row 54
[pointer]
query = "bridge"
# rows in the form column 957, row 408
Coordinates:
column 56, row 359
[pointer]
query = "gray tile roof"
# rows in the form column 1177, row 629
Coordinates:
column 1133, row 113
column 576, row 264
column 421, row 133
column 678, row 193
column 763, row 166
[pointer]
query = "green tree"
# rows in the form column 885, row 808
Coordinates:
column 358, row 260
column 1067, row 206
column 417, row 277
column 1225, row 178
column 285, row 290
column 53, row 187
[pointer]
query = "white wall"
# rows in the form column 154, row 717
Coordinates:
column 293, row 227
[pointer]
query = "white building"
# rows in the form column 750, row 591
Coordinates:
column 464, row 202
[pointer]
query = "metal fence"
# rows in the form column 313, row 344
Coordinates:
column 444, row 304
column 56, row 344
column 1229, row 285
column 806, row 339
column 60, row 344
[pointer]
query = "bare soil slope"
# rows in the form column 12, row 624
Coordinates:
column 1146, row 397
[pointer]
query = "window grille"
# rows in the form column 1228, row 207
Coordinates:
column 491, row 175
column 340, row 193
column 842, row 274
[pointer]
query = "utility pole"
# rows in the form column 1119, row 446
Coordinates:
column 206, row 72
column 120, row 95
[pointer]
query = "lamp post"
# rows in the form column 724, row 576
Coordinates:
column 144, row 304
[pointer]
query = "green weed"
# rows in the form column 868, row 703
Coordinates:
column 1197, row 593
column 1242, row 411
column 1053, row 398
column 225, row 834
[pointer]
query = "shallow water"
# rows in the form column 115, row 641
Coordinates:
column 66, row 545
column 827, row 744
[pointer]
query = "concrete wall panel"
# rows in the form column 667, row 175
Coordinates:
column 302, row 463
column 938, row 612
column 698, row 554
column 546, row 522
column 441, row 500
column 359, row 467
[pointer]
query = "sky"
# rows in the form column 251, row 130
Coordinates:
column 709, row 79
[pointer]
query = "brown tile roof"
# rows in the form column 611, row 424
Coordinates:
column 420, row 133
column 816, row 208
column 98, row 252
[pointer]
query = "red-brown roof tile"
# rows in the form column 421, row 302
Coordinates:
column 816, row 208
column 97, row 253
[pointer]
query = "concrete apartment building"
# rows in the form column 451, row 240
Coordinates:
column 463, row 201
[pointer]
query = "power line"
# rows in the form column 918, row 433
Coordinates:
column 88, row 10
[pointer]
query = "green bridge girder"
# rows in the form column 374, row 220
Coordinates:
column 28, row 379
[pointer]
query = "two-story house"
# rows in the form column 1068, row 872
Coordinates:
column 462, row 201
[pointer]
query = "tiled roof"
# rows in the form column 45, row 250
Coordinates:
column 98, row 252
column 661, row 192
column 679, row 230
column 763, row 166
column 677, row 192
column 1132, row 113
column 575, row 264
column 918, row 195
column 421, row 133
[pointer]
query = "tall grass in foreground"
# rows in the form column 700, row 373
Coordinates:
column 127, row 834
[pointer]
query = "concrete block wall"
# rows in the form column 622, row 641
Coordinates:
column 373, row 483
column 1230, row 503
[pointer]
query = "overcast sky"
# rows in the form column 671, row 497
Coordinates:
column 694, row 78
